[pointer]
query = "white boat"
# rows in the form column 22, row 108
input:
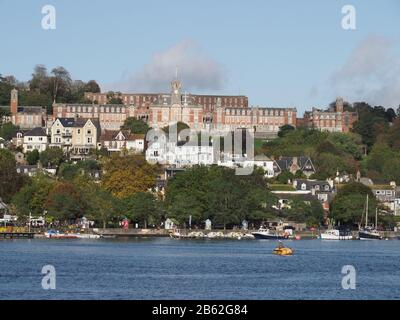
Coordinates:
column 88, row 236
column 335, row 234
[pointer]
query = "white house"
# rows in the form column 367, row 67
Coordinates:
column 263, row 162
column 35, row 139
column 180, row 154
column 115, row 141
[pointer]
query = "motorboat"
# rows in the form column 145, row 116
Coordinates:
column 55, row 234
column 267, row 234
column 335, row 234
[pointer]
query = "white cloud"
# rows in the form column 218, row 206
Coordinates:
column 371, row 73
column 197, row 71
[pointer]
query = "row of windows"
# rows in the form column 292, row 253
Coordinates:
column 89, row 109
column 274, row 113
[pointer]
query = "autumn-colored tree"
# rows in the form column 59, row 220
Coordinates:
column 127, row 175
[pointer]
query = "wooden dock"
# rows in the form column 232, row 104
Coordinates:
column 16, row 235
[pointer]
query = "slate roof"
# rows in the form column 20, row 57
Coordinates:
column 312, row 183
column 36, row 132
column 286, row 162
column 111, row 135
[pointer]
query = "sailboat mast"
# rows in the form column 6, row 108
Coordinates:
column 366, row 213
column 376, row 219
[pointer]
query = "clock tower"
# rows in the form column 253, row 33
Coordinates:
column 176, row 92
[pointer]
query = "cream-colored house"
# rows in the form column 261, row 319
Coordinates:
column 76, row 136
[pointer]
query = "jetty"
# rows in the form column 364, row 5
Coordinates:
column 17, row 235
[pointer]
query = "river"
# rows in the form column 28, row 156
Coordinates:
column 163, row 268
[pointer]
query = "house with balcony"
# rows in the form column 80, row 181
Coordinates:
column 76, row 136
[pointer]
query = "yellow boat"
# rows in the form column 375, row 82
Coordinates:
column 283, row 251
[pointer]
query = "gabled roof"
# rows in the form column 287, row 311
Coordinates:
column 111, row 135
column 36, row 132
column 67, row 122
column 286, row 162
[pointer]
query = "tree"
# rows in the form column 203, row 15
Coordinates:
column 5, row 90
column 301, row 211
column 371, row 122
column 32, row 197
column 40, row 80
column 135, row 126
column 51, row 157
column 65, row 202
column 218, row 194
column 92, row 86
column 8, row 131
column 114, row 97
column 284, row 130
column 284, row 177
column 125, row 176
column 102, row 206
column 33, row 157
column 348, row 207
column 60, row 82
column 390, row 115
column 143, row 207
column 10, row 181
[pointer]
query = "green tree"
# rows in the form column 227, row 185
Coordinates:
column 143, row 207
column 284, row 177
column 8, row 131
column 218, row 194
column 102, row 206
column 349, row 205
column 284, row 130
column 32, row 196
column 135, row 126
column 32, row 157
column 10, row 181
column 51, row 157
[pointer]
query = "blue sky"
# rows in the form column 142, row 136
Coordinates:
column 279, row 53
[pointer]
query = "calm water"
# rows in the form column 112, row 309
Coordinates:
column 178, row 269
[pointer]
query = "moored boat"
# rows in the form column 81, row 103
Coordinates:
column 335, row 234
column 267, row 234
column 370, row 233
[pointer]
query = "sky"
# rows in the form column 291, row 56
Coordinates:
column 280, row 53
